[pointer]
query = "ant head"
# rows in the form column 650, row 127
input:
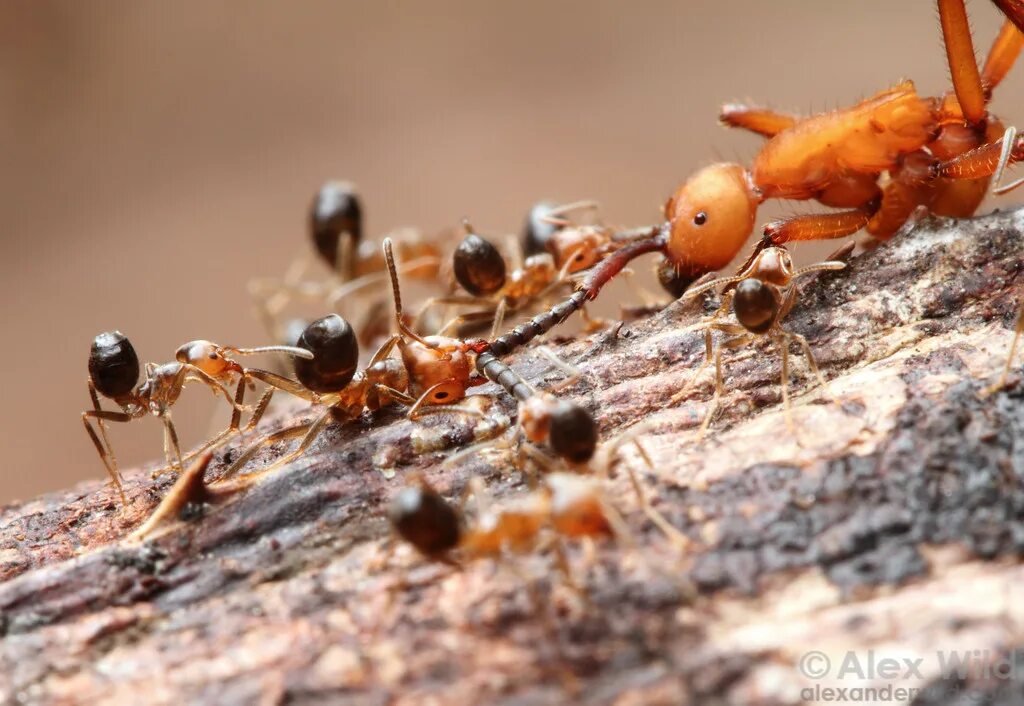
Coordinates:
column 334, row 212
column 207, row 356
column 773, row 265
column 425, row 520
column 478, row 266
column 711, row 216
column 756, row 304
column 672, row 280
column 113, row 364
column 572, row 432
column 577, row 248
column 537, row 230
column 335, row 351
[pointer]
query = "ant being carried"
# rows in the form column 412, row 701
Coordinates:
column 878, row 160
column 761, row 295
column 114, row 373
column 336, row 228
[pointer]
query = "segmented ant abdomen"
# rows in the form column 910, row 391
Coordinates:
column 335, row 351
column 672, row 280
column 537, row 231
column 478, row 266
column 755, row 305
column 424, row 519
column 336, row 210
column 573, row 432
column 113, row 364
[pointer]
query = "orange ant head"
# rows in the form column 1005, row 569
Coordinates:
column 579, row 248
column 208, row 357
column 444, row 369
column 711, row 216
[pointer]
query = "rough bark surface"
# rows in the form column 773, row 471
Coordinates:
column 893, row 521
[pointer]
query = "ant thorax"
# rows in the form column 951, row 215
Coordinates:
column 537, row 273
column 362, row 392
column 159, row 391
column 514, row 526
column 578, row 247
column 448, row 361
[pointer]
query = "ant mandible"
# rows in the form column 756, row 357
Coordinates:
column 761, row 295
column 836, row 158
column 114, row 373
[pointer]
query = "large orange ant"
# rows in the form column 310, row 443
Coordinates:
column 336, row 229
column 836, row 158
column 761, row 295
column 114, row 373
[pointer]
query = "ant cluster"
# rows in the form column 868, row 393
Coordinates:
column 875, row 162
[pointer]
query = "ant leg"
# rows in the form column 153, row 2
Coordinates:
column 104, row 449
column 451, row 300
column 1014, row 11
column 1003, row 53
column 282, row 383
column 787, row 406
column 760, row 121
column 667, row 528
column 989, row 159
column 247, row 455
column 451, row 327
column 963, row 67
column 170, row 444
column 1001, row 382
column 818, row 226
column 713, row 406
column 260, row 409
column 811, row 363
column 572, row 373
column 499, row 316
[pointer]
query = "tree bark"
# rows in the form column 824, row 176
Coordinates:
column 890, row 525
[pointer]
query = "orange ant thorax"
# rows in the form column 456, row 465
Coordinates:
column 536, row 274
column 445, row 362
column 362, row 392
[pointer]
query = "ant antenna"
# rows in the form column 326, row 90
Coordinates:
column 1009, row 140
column 389, row 257
column 818, row 267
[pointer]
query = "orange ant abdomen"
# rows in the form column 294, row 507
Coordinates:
column 335, row 350
column 113, row 365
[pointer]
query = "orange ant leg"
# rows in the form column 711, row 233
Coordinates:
column 760, row 121
column 103, row 448
column 987, row 160
column 1014, row 11
column 1004, row 52
column 963, row 67
column 1001, row 382
column 826, row 226
column 304, row 429
column 787, row 406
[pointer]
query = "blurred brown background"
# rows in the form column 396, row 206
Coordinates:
column 157, row 155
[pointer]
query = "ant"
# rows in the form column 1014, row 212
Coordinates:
column 336, row 229
column 114, row 373
column 570, row 505
column 761, row 295
column 434, row 371
column 836, row 158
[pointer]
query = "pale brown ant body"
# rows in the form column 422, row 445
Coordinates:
column 569, row 505
column 760, row 296
column 114, row 373
column 335, row 224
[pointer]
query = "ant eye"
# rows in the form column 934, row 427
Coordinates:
column 440, row 395
column 213, row 355
column 700, row 219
